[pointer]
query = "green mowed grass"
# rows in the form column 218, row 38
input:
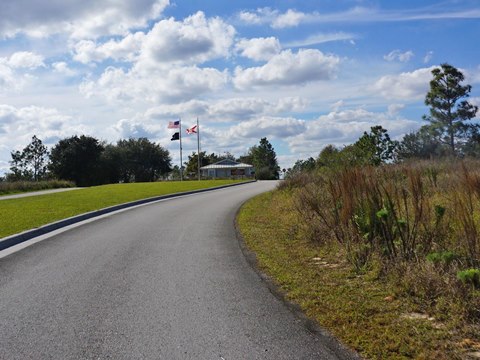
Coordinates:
column 17, row 215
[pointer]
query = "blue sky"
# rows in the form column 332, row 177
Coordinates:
column 303, row 74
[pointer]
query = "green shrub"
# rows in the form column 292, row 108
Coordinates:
column 470, row 276
column 442, row 257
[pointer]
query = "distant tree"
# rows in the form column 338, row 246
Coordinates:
column 77, row 159
column 264, row 159
column 328, row 157
column 373, row 148
column 245, row 159
column 300, row 166
column 140, row 160
column 174, row 173
column 31, row 163
column 420, row 145
column 449, row 111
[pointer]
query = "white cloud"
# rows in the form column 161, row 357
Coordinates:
column 267, row 126
column 428, row 56
column 24, row 60
column 406, row 86
column 394, row 109
column 397, row 55
column 322, row 38
column 194, row 40
column 61, row 67
column 174, row 84
column 353, row 15
column 288, row 68
column 289, row 19
column 337, row 105
column 259, row 48
column 228, row 110
column 79, row 19
column 126, row 49
column 345, row 127
column 19, row 124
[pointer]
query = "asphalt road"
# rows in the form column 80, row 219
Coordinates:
column 162, row 281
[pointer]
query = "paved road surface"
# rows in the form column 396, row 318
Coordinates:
column 162, row 281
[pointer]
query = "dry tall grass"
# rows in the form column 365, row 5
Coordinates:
column 418, row 222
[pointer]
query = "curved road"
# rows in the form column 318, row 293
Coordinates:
column 162, row 281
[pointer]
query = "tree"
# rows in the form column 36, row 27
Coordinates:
column 139, row 160
column 449, row 114
column 301, row 166
column 420, row 145
column 77, row 159
column 374, row 148
column 191, row 166
column 264, row 159
column 31, row 163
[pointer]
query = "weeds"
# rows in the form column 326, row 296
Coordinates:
column 424, row 216
column 23, row 186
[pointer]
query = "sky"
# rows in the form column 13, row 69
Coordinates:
column 304, row 74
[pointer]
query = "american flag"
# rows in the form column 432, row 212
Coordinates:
column 174, row 124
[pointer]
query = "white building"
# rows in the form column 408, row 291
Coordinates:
column 227, row 169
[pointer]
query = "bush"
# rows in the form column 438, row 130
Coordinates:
column 470, row 277
column 24, row 186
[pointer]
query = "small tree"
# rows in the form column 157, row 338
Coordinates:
column 30, row 163
column 374, row 148
column 449, row 114
column 264, row 160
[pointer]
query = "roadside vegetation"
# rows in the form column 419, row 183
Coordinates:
column 380, row 245
column 22, row 214
column 14, row 187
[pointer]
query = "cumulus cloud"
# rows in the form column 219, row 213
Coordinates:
column 397, row 55
column 259, row 48
column 79, row 19
column 174, row 84
column 275, row 127
column 25, row 60
column 288, row 68
column 289, row 19
column 345, row 127
column 406, row 86
column 126, row 49
column 19, row 124
column 61, row 67
column 228, row 110
column 196, row 39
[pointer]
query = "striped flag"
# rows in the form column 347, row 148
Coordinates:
column 174, row 124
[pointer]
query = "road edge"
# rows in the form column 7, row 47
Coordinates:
column 16, row 239
column 330, row 341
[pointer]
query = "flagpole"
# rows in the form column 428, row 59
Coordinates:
column 198, row 149
column 181, row 160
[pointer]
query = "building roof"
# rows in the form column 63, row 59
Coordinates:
column 226, row 164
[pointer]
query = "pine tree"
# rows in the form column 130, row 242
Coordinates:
column 449, row 111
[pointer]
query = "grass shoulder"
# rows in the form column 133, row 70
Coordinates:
column 366, row 312
column 17, row 215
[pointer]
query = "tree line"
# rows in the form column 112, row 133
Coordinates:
column 88, row 161
column 449, row 131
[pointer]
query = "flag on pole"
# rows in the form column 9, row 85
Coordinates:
column 175, row 136
column 174, row 124
column 192, row 130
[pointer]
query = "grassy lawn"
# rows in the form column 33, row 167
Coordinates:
column 366, row 313
column 21, row 214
